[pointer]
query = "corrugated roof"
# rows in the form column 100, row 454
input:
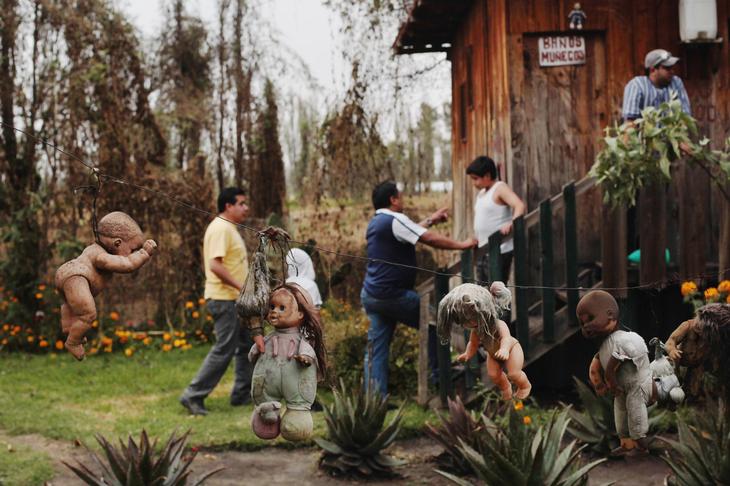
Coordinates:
column 430, row 26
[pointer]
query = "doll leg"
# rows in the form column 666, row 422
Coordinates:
column 638, row 417
column 515, row 374
column 81, row 311
column 494, row 370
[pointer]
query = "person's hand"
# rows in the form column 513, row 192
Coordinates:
column 469, row 243
column 675, row 354
column 685, row 148
column 259, row 340
column 440, row 216
column 506, row 228
column 462, row 358
column 150, row 247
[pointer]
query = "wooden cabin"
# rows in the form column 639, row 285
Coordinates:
column 542, row 122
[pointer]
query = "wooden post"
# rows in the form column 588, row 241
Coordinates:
column 613, row 250
column 444, row 350
column 546, row 262
column 571, row 251
column 423, row 371
column 521, row 280
column 652, row 234
column 467, row 275
column 495, row 256
column 723, row 257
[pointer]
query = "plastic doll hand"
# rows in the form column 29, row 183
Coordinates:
column 260, row 345
column 462, row 358
column 675, row 354
column 150, row 247
column 304, row 361
column 501, row 354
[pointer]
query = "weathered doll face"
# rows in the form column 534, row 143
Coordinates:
column 284, row 311
column 598, row 314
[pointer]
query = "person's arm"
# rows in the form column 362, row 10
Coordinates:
column 436, row 240
column 507, row 196
column 437, row 217
column 125, row 264
column 220, row 271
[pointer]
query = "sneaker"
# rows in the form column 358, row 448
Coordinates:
column 195, row 407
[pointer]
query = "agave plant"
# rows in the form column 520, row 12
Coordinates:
column 702, row 454
column 141, row 463
column 595, row 425
column 517, row 454
column 357, row 436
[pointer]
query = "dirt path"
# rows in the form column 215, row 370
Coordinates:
column 276, row 466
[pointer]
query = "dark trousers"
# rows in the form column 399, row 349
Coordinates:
column 232, row 340
column 505, row 265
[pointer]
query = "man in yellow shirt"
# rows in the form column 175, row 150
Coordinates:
column 226, row 267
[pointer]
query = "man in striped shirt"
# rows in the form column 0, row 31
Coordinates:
column 655, row 87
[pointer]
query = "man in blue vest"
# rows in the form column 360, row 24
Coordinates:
column 387, row 293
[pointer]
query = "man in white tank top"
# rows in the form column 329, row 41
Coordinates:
column 495, row 208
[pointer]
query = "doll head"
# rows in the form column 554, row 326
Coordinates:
column 597, row 314
column 576, row 6
column 473, row 307
column 119, row 234
column 299, row 311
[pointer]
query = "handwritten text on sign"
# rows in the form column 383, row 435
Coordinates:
column 562, row 50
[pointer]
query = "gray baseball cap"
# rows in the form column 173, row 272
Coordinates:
column 659, row 57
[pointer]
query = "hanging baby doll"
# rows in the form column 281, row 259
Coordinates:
column 478, row 309
column 621, row 367
column 288, row 370
column 121, row 248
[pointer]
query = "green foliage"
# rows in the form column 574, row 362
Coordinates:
column 595, row 425
column 460, row 426
column 642, row 152
column 23, row 465
column 357, row 434
column 521, row 454
column 702, row 454
column 141, row 463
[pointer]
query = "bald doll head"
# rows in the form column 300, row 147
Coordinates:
column 598, row 314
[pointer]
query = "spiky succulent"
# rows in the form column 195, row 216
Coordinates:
column 520, row 455
column 595, row 424
column 357, row 434
column 459, row 426
column 702, row 453
column 142, row 463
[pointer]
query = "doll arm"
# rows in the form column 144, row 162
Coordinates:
column 506, row 341
column 594, row 374
column 675, row 339
column 610, row 375
column 125, row 264
column 471, row 347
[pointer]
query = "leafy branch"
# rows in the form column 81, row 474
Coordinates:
column 644, row 151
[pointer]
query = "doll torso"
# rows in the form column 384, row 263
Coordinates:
column 631, row 350
column 278, row 376
column 83, row 266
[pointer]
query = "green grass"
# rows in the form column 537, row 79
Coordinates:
column 60, row 398
column 20, row 465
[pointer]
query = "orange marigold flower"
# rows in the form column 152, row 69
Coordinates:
column 95, row 323
column 106, row 341
column 711, row 293
column 42, row 287
column 108, row 349
column 128, row 352
column 688, row 288
column 114, row 316
column 189, row 304
column 43, row 343
column 201, row 301
column 208, row 318
column 519, row 405
column 728, row 299
column 166, row 336
column 6, row 327
column 526, row 420
column 4, row 341
column 166, row 347
column 196, row 314
column 17, row 329
column 38, row 295
column 147, row 341
column 59, row 344
column 140, row 336
column 31, row 339
column 724, row 286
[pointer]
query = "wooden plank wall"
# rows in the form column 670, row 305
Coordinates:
column 495, row 30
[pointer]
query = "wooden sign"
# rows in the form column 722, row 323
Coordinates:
column 562, row 50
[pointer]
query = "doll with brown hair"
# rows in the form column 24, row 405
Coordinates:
column 288, row 370
column 121, row 249
column 621, row 367
column 478, row 309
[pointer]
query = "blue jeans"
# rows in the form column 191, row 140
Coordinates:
column 384, row 314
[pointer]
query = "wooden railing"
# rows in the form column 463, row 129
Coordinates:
column 435, row 288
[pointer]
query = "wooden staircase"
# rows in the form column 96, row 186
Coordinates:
column 541, row 327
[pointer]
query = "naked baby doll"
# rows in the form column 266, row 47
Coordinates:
column 121, row 249
column 478, row 309
column 288, row 369
column 621, row 367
